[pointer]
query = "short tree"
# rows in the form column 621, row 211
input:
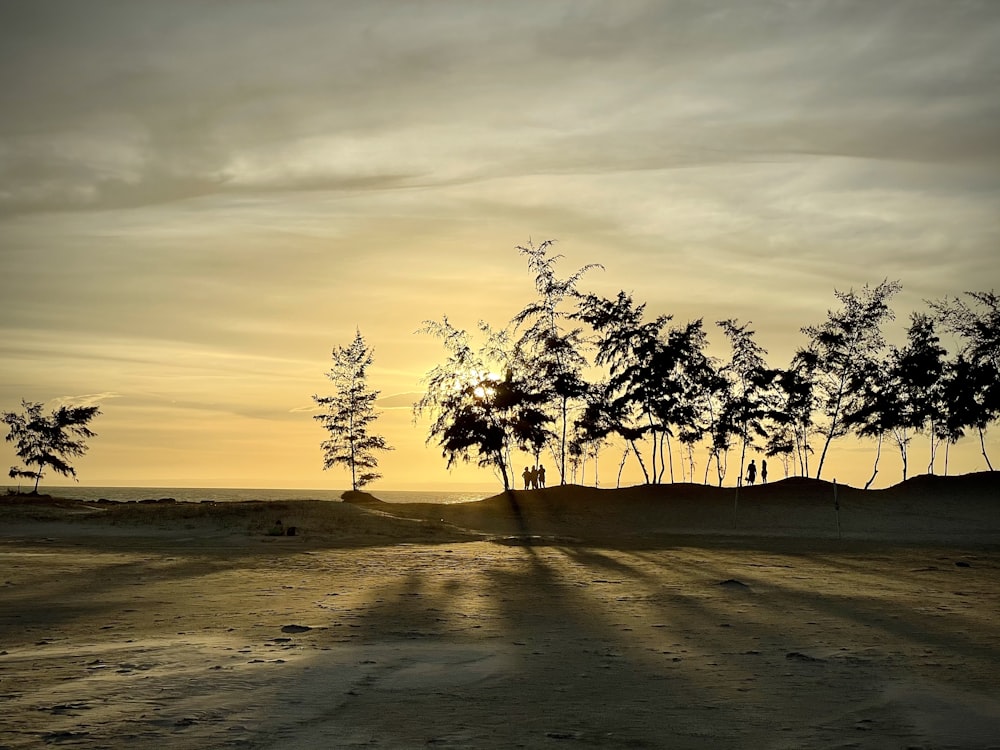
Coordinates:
column 48, row 441
column 751, row 386
column 348, row 414
column 843, row 345
column 977, row 322
column 477, row 413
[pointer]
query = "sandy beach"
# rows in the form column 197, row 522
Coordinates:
column 667, row 617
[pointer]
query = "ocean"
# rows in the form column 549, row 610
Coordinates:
column 222, row 495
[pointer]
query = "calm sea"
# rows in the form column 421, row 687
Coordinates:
column 196, row 495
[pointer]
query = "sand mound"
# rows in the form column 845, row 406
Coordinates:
column 921, row 509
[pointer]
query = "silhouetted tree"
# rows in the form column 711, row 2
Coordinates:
column 842, row 345
column 875, row 409
column 792, row 417
column 977, row 322
column 692, row 377
column 48, row 441
column 594, row 424
column 645, row 391
column 918, row 369
column 751, row 400
column 476, row 413
column 349, row 413
column 553, row 350
column 961, row 387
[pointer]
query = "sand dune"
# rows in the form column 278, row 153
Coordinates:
column 569, row 617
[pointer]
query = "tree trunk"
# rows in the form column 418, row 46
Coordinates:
column 933, row 449
column 621, row 467
column 878, row 454
column 562, row 446
column 502, row 465
column 642, row 464
column 901, row 441
column 982, row 444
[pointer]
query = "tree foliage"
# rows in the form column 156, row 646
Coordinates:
column 349, row 413
column 48, row 441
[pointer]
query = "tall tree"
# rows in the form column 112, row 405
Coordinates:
column 349, row 413
column 553, row 349
column 48, row 441
column 849, row 338
column 977, row 321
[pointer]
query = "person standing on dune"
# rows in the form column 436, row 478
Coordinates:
column 751, row 472
column 541, row 475
column 763, row 471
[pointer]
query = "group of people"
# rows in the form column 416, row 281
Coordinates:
column 752, row 472
column 534, row 477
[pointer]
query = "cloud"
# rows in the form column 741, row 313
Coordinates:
column 89, row 399
column 399, row 400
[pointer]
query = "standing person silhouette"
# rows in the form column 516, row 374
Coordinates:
column 751, row 472
column 763, row 471
column 533, row 478
column 541, row 475
column 526, row 474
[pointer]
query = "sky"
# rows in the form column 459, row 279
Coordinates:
column 199, row 200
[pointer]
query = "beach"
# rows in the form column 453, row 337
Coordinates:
column 673, row 617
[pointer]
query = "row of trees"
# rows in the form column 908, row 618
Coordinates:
column 573, row 372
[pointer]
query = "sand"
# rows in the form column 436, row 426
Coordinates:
column 561, row 618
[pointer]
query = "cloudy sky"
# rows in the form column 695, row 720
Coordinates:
column 198, row 200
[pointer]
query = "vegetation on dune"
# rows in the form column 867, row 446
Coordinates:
column 648, row 386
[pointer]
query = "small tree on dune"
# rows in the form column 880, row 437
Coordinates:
column 48, row 441
column 348, row 414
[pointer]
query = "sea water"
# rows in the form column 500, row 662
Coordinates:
column 223, row 495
